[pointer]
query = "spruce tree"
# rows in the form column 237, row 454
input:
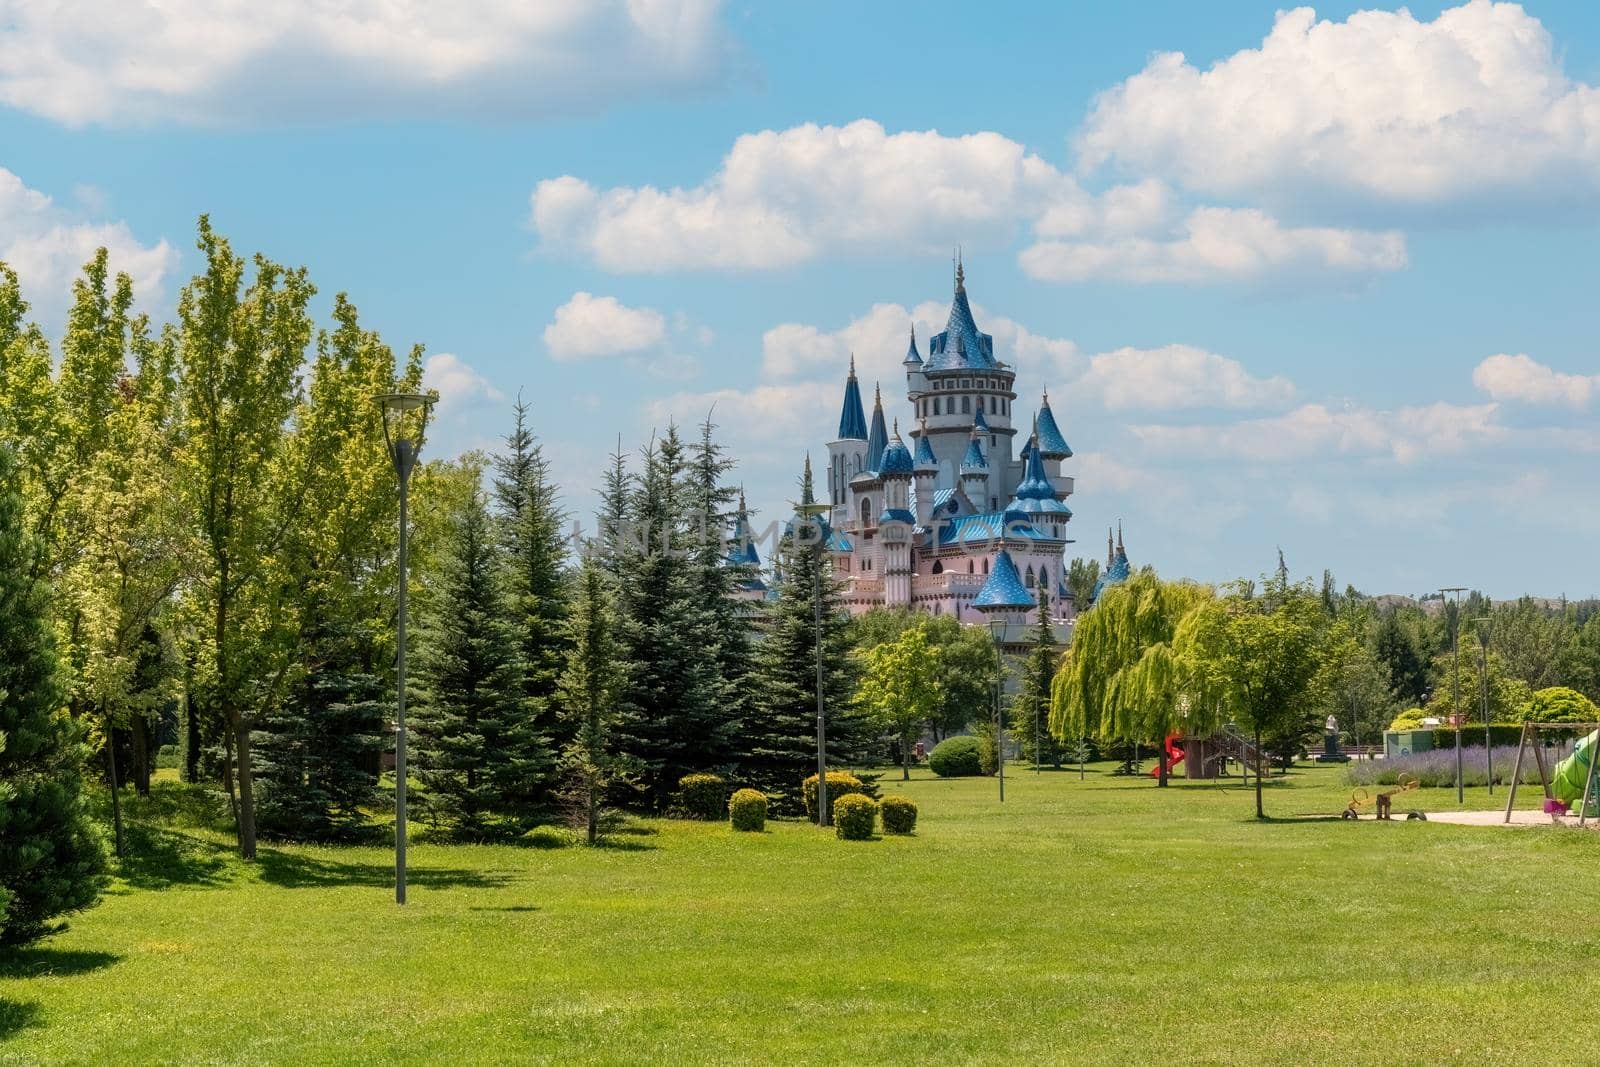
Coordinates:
column 779, row 739
column 478, row 748
column 1030, row 711
column 724, row 622
column 588, row 693
column 530, row 522
column 673, row 723
column 50, row 857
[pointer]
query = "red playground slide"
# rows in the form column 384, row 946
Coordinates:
column 1174, row 756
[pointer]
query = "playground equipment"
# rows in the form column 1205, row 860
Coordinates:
column 1573, row 779
column 1175, row 754
column 1384, row 800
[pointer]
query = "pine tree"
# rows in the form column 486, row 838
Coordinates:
column 724, row 622
column 530, row 523
column 588, row 693
column 50, row 857
column 1030, row 711
column 672, row 722
column 779, row 741
column 477, row 746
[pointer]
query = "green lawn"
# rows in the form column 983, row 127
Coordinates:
column 1095, row 921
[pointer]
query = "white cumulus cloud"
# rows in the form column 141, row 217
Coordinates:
column 589, row 327
column 226, row 61
column 784, row 196
column 460, row 386
column 47, row 243
column 1216, row 244
column 1382, row 107
column 1175, row 377
column 1521, row 378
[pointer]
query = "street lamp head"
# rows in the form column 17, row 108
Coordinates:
column 1481, row 626
column 997, row 627
column 405, row 423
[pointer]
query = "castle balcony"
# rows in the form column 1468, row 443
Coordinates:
column 947, row 584
column 1062, row 484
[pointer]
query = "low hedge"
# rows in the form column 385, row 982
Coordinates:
column 1501, row 733
column 747, row 811
column 703, row 796
column 840, row 783
column 854, row 816
column 956, row 757
column 899, row 814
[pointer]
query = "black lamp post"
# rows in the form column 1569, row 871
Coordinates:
column 405, row 419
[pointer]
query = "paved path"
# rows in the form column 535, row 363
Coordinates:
column 1497, row 818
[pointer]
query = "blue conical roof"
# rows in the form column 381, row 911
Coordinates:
column 896, row 461
column 974, row 460
column 913, row 357
column 1117, row 568
column 979, row 423
column 878, row 438
column 852, row 420
column 961, row 345
column 1003, row 591
column 1051, row 443
column 742, row 547
column 925, row 457
column 1035, row 495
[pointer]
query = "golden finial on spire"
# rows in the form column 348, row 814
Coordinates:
column 877, row 394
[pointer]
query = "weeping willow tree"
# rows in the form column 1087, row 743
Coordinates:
column 1121, row 677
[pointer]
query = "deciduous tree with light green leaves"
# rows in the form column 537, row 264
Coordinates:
column 1122, row 677
column 240, row 351
column 901, row 687
column 1255, row 655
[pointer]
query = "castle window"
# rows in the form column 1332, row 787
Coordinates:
column 1044, row 578
column 866, row 512
column 938, row 567
column 992, row 406
column 966, row 383
column 969, row 566
column 994, row 503
column 1028, row 580
column 986, row 566
column 966, row 405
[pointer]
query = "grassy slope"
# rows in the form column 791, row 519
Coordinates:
column 1102, row 921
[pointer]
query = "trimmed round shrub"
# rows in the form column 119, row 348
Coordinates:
column 1558, row 704
column 956, row 757
column 854, row 816
column 840, row 783
column 703, row 796
column 899, row 814
column 748, row 811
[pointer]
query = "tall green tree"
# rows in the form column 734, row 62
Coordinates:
column 1082, row 576
column 1353, row 685
column 1030, row 711
column 1257, row 656
column 240, row 351
column 780, row 737
column 588, row 699
column 531, row 524
column 319, row 748
column 1122, row 678
column 1398, row 647
column 478, row 747
column 673, row 723
column 50, row 858
column 901, row 685
column 967, row 653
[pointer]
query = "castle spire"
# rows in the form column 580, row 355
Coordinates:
column 852, row 420
column 1111, row 552
column 878, row 435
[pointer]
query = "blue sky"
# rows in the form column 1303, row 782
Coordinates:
column 1324, row 282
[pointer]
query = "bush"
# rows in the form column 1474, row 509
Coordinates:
column 1558, row 704
column 853, row 817
column 1410, row 719
column 748, row 811
column 703, row 796
column 955, row 757
column 899, row 814
column 1472, row 735
column 840, row 783
column 167, row 757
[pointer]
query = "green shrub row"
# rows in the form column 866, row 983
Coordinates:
column 1501, row 733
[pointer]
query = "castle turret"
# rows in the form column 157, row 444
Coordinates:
column 1053, row 447
column 847, row 455
column 925, row 475
column 878, row 436
column 916, row 381
column 975, row 474
column 1036, row 496
column 896, row 524
column 1003, row 595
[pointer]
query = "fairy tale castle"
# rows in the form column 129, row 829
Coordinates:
column 952, row 519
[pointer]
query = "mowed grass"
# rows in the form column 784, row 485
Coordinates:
column 1095, row 921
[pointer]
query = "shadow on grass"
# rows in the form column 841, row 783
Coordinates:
column 16, row 1016
column 43, row 961
column 291, row 870
column 154, row 858
column 505, row 907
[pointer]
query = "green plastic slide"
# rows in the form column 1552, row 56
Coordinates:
column 1572, row 773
